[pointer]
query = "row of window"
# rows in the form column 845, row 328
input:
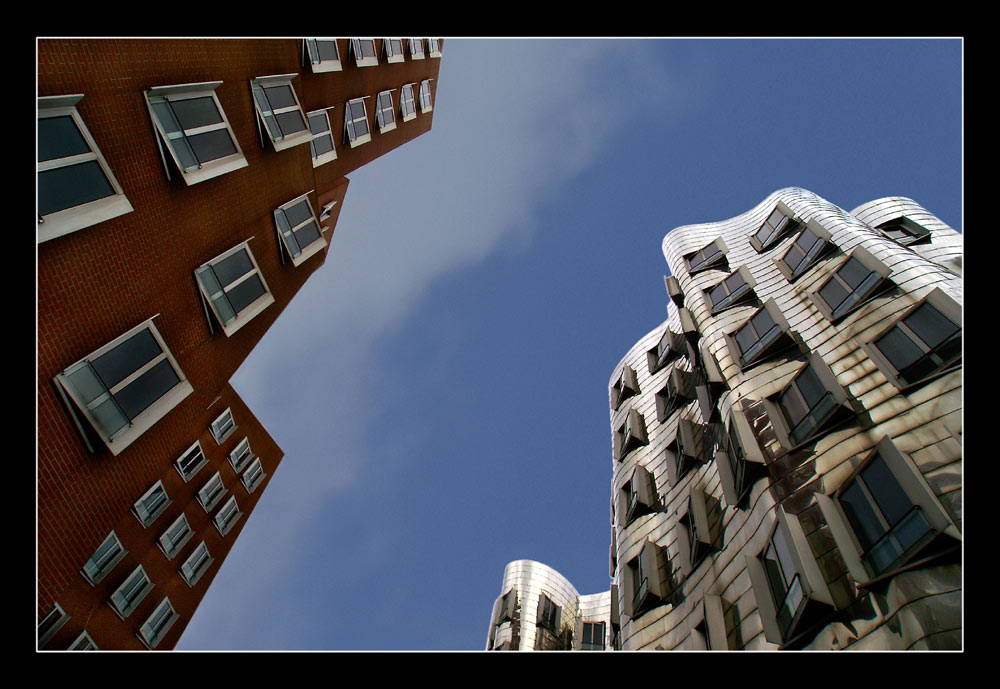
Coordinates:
column 324, row 56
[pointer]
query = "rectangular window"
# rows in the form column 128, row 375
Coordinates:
column 323, row 55
column 904, row 231
column 191, row 124
column 197, row 564
column 809, row 246
column 356, row 131
column 548, row 614
column 626, row 386
column 151, row 505
column 223, row 426
column 298, row 229
column 253, row 476
column 425, row 96
column 240, row 455
column 736, row 289
column 278, row 108
column 764, row 334
column 176, row 535
column 779, row 224
column 416, row 48
column 385, row 114
column 158, row 624
column 76, row 187
column 407, row 107
column 104, row 559
column 364, row 51
column 671, row 344
column 227, row 516
column 712, row 256
column 233, row 288
column 191, row 462
column 321, row 147
column 211, row 492
column 51, row 623
column 784, row 582
column 393, row 49
column 84, row 642
column 126, row 386
column 127, row 597
column 860, row 278
column 433, row 47
column 592, row 638
column 630, row 434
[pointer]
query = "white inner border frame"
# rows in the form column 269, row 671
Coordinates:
column 305, row 252
column 290, row 140
column 253, row 308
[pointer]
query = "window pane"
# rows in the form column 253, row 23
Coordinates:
column 246, row 292
column 898, row 348
column 318, row 124
column 810, row 386
column 72, row 185
column 298, row 213
column 321, row 145
column 853, row 272
column 746, row 338
column 86, row 383
column 833, row 293
column 357, row 109
column 212, row 145
column 196, row 112
column 233, row 267
column 861, row 516
column 307, row 234
column 280, row 96
column 127, row 357
column 327, row 50
column 930, row 325
column 108, row 416
column 290, row 122
column 59, row 137
column 791, row 403
column 889, row 496
column 147, row 388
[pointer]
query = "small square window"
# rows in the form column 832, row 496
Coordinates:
column 671, row 345
column 592, row 638
column 191, row 124
column 227, row 516
column 321, row 147
column 548, row 614
column 127, row 597
column 51, row 623
column 211, row 492
column 630, row 434
column 712, row 256
column 364, row 52
column 425, row 96
column 780, row 223
column 196, row 564
column 678, row 390
column 811, row 244
column 191, row 462
column 104, row 559
column 240, row 455
column 175, row 537
column 433, row 47
column 299, row 230
column 76, row 187
column 323, row 55
column 232, row 288
column 158, row 624
column 763, row 335
column 625, row 386
column 223, row 426
column 734, row 290
column 407, row 107
column 385, row 113
column 278, row 110
column 393, row 49
column 151, row 505
column 638, row 496
column 253, row 476
column 904, row 231
column 356, row 130
column 858, row 280
column 416, row 48
column 126, row 386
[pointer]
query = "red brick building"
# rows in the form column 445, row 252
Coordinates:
column 187, row 189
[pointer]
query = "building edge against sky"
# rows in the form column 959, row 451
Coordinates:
column 187, row 190
column 787, row 445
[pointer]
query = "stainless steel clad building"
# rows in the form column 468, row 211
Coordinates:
column 787, row 445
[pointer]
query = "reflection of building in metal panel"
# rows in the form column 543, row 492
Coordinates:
column 539, row 609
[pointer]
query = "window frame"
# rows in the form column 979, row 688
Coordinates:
column 739, row 467
column 140, row 507
column 328, row 156
column 679, row 451
column 208, row 169
column 391, row 56
column 811, row 257
column 82, row 638
column 381, row 112
column 125, row 435
column 248, row 312
column 359, row 58
column 254, row 475
column 414, row 44
column 713, row 263
column 669, row 347
column 285, row 141
column 946, row 307
column 548, row 614
column 914, row 231
column 194, row 450
column 875, row 289
column 626, row 385
column 229, row 427
column 638, row 496
column 203, row 564
column 230, row 513
column 404, row 100
column 243, row 450
column 81, row 216
column 50, row 625
column 695, row 537
column 309, row 250
column 789, row 223
column 131, row 601
column 644, row 567
column 350, row 123
column 629, row 434
column 424, row 96
column 310, row 53
column 678, row 389
column 156, row 624
column 99, row 565
column 433, row 47
column 167, row 543
column 208, row 500
column 598, row 629
column 738, row 297
column 777, row 339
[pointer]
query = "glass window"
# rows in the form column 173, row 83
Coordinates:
column 227, row 516
column 425, row 96
column 321, row 147
column 592, row 638
column 158, row 623
column 233, row 288
column 211, row 492
column 806, row 404
column 323, row 55
column 151, row 505
column 904, row 231
column 407, row 107
column 127, row 597
column 299, row 229
column 191, row 462
column 176, row 535
column 731, row 291
column 385, row 112
column 223, row 426
column 196, row 564
column 277, row 106
column 364, row 52
column 711, row 256
column 104, row 559
column 784, row 581
column 548, row 614
column 763, row 334
column 777, row 225
column 416, row 48
column 84, row 642
column 51, row 623
column 356, row 130
column 921, row 344
column 253, row 476
column 849, row 286
column 804, row 251
column 433, row 47
column 393, row 49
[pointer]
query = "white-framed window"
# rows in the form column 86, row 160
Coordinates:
column 151, row 505
column 385, row 114
column 363, row 50
column 196, row 564
column 127, row 597
column 393, row 49
column 104, row 559
column 126, row 386
column 51, row 623
column 322, row 54
column 298, row 229
column 321, row 147
column 416, row 48
column 356, row 130
column 211, row 492
column 253, row 476
column 279, row 111
column 407, row 106
column 158, row 623
column 176, row 535
column 433, row 47
column 76, row 187
column 240, row 455
column 425, row 96
column 191, row 124
column 227, row 516
column 223, row 426
column 84, row 642
column 233, row 288
column 191, row 461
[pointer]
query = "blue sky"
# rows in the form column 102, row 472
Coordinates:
column 440, row 385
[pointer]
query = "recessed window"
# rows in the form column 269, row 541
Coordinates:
column 674, row 290
column 104, row 559
column 196, row 564
column 925, row 341
column 126, row 386
column 592, row 636
column 812, row 243
column 223, row 426
column 175, row 537
column 548, row 614
column 323, row 55
column 127, row 597
column 678, row 389
column 764, row 334
column 76, row 187
column 151, row 505
column 407, row 107
column 194, row 129
column 780, row 223
column 681, row 453
column 712, row 256
column 425, row 96
column 253, row 476
column 671, row 345
column 645, row 586
column 416, row 48
column 433, row 47
column 84, row 642
column 227, row 516
column 299, row 230
column 364, row 52
column 860, row 278
column 393, row 49
column 277, row 107
column 630, row 434
column 736, row 289
column 638, row 496
column 508, row 607
column 740, row 462
column 356, row 130
column 904, row 231
column 158, row 624
column 191, row 462
column 211, row 492
column 697, row 531
column 385, row 112
column 240, row 455
column 626, row 386
column 232, row 288
column 51, row 623
column 321, row 147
